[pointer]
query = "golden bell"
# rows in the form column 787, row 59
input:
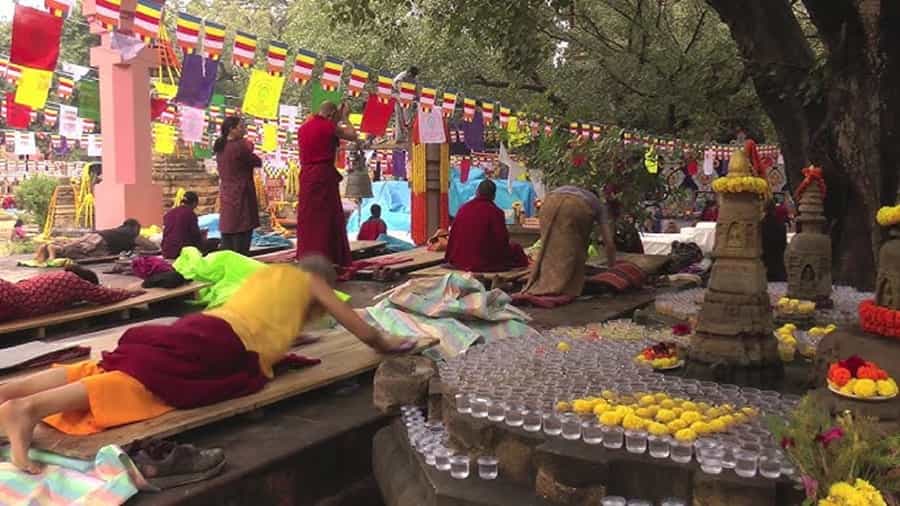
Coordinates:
column 359, row 185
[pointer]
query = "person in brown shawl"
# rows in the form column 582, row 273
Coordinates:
column 238, row 207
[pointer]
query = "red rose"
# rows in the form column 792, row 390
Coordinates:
column 829, row 436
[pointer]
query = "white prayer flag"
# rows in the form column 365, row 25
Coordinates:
column 70, row 125
column 193, row 123
column 94, row 145
column 431, row 127
column 25, row 143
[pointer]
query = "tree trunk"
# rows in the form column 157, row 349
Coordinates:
column 847, row 122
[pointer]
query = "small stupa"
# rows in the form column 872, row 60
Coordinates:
column 882, row 315
column 733, row 340
column 808, row 256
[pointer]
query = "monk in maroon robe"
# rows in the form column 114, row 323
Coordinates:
column 373, row 227
column 181, row 228
column 321, row 226
column 479, row 241
column 238, row 207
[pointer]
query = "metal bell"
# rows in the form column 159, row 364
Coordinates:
column 359, row 185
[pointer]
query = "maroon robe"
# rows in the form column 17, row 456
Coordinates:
column 371, row 229
column 321, row 226
column 238, row 208
column 180, row 229
column 479, row 241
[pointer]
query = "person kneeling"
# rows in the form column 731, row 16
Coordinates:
column 479, row 240
column 200, row 359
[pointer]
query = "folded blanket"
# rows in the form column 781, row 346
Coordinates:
column 621, row 277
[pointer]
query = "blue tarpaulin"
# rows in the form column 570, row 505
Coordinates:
column 395, row 202
column 460, row 193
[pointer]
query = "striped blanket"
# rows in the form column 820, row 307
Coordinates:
column 65, row 481
column 454, row 308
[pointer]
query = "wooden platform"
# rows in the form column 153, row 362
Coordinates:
column 650, row 264
column 357, row 249
column 484, row 277
column 342, row 355
column 152, row 295
column 419, row 258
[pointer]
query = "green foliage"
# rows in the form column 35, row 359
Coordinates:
column 33, row 195
column 864, row 451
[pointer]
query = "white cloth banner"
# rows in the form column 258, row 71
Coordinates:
column 708, row 162
column 76, row 71
column 193, row 123
column 94, row 145
column 25, row 143
column 127, row 45
column 70, row 125
column 514, row 168
column 287, row 115
column 431, row 127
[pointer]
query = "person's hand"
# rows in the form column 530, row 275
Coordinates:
column 392, row 344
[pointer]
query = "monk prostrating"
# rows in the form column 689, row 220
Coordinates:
column 479, row 241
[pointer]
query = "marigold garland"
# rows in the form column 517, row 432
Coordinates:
column 879, row 320
column 811, row 175
column 889, row 215
column 860, row 493
column 741, row 184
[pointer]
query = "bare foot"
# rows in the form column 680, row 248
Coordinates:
column 17, row 423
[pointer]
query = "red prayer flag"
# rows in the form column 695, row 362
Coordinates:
column 35, row 38
column 157, row 107
column 17, row 116
column 376, row 115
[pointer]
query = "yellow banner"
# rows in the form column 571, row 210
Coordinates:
column 34, row 84
column 165, row 90
column 163, row 138
column 270, row 137
column 263, row 94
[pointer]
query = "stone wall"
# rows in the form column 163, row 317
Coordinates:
column 190, row 174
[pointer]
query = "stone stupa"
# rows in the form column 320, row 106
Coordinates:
column 808, row 256
column 733, row 339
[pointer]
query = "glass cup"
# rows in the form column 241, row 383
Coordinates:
column 552, row 424
column 531, row 420
column 613, row 500
column 487, row 468
column 728, row 461
column 463, row 403
column 681, row 451
column 442, row 459
column 770, row 464
column 745, row 462
column 636, row 441
column 431, row 453
column 673, row 501
column 459, row 467
column 571, row 427
column 639, row 502
column 711, row 460
column 496, row 411
column 612, row 437
column 592, row 433
column 479, row 407
column 658, row 446
column 515, row 415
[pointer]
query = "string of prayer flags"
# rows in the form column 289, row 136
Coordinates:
column 35, row 38
column 331, row 74
column 651, row 160
column 59, row 8
column 426, row 98
column 504, row 116
column 70, row 125
column 376, row 115
column 359, row 76
column 448, row 105
column 88, row 125
column 94, row 145
column 304, row 63
column 50, row 116
column 89, row 99
column 147, row 18
column 13, row 72
column 573, row 128
column 469, row 105
column 34, row 85
column 244, row 52
column 163, row 139
column 406, row 94
column 213, row 40
column 65, row 86
column 384, row 89
column 17, row 116
column 597, row 132
column 263, row 94
column 192, row 122
column 108, row 12
column 586, row 130
column 319, row 94
column 487, row 111
column 276, row 57
column 187, row 32
column 198, row 77
column 287, row 116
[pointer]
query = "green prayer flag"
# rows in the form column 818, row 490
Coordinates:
column 89, row 100
column 217, row 100
column 320, row 95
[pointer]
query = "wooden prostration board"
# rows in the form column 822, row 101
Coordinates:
column 357, row 248
column 419, row 258
column 440, row 270
column 343, row 356
column 81, row 313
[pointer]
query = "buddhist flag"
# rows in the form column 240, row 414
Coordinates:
column 448, row 106
column 487, row 111
column 586, row 130
column 13, row 72
column 213, row 39
column 244, row 52
column 331, row 74
column 469, row 109
column 59, row 8
column 50, row 116
column 187, row 31
column 163, row 139
column 407, row 94
column 504, row 116
column 304, row 63
column 426, row 99
column 33, row 87
column 65, row 86
column 548, row 127
column 597, row 131
column 276, row 57
column 359, row 76
column 384, row 89
column 35, row 38
column 108, row 12
column 263, row 94
column 147, row 17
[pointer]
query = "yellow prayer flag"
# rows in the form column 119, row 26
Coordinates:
column 356, row 120
column 163, row 138
column 512, row 126
column 165, row 90
column 263, row 94
column 270, row 137
column 34, row 84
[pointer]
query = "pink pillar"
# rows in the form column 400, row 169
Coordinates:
column 127, row 189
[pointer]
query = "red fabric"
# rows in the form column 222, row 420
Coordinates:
column 710, row 214
column 238, row 207
column 464, row 167
column 542, row 301
column 157, row 107
column 376, row 116
column 621, row 277
column 372, row 263
column 17, row 115
column 479, row 241
column 317, row 140
column 35, row 38
column 371, row 229
column 180, row 229
column 418, row 219
column 321, row 227
column 782, row 213
column 55, row 291
column 196, row 361
column 144, row 267
column 692, row 167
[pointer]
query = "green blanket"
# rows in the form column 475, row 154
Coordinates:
column 49, row 264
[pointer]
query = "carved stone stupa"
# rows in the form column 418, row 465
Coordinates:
column 808, row 256
column 887, row 284
column 734, row 328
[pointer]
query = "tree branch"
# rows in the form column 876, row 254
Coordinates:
column 536, row 87
column 696, row 35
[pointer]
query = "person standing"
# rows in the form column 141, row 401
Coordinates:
column 238, row 208
column 321, row 226
column 403, row 115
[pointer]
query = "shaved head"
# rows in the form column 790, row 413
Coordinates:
column 327, row 109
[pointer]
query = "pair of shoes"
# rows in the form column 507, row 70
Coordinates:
column 165, row 464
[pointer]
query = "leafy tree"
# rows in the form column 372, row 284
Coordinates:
column 34, row 194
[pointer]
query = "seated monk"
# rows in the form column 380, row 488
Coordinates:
column 479, row 241
column 373, row 227
column 125, row 237
column 55, row 291
column 181, row 228
column 201, row 359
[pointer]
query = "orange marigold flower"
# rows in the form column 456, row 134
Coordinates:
column 839, row 376
column 867, row 372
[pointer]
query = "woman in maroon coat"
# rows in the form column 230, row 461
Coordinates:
column 238, row 208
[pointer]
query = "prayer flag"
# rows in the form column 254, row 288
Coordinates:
column 108, row 12
column 573, row 128
column 487, row 112
column 270, row 137
column 59, row 8
column 165, row 90
column 431, row 127
column 163, row 139
column 331, row 74
column 157, row 107
column 469, row 109
column 50, row 116
column 25, row 143
column 13, row 72
column 287, row 116
column 448, row 106
column 17, row 116
column 359, row 76
column 187, row 31
column 504, row 116
column 88, row 124
column 376, row 115
column 244, row 52
column 586, row 130
column 65, row 86
column 35, row 38
column 147, row 17
column 70, row 125
column 94, row 145
column 304, row 63
column 213, row 39
column 426, row 98
column 198, row 77
column 263, row 94
column 597, row 132
column 277, row 57
column 320, row 95
column 406, row 94
column 192, row 123
column 34, row 85
column 385, row 88
column 89, row 99
column 548, row 127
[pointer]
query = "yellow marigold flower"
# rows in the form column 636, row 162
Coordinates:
column 717, row 425
column 633, row 422
column 713, row 412
column 888, row 216
column 689, row 406
column 740, row 418
column 643, row 412
column 728, row 420
column 668, row 404
column 678, row 410
column 685, row 435
column 563, row 407
column 648, row 400
column 749, row 411
column 700, row 428
column 847, row 389
column 665, row 415
column 658, row 429
column 582, row 406
column 660, row 397
column 610, row 418
column 865, row 388
column 601, row 407
column 690, row 417
column 702, row 406
column 676, row 425
column 842, row 489
column 563, row 346
column 887, row 388
column 608, row 395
